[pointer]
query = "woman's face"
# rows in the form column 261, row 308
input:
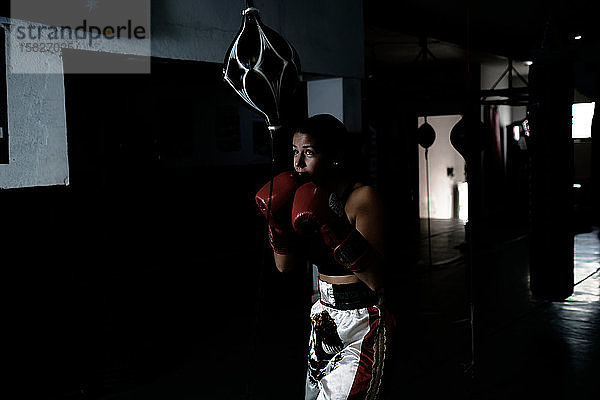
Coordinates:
column 309, row 162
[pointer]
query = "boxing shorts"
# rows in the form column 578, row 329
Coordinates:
column 348, row 343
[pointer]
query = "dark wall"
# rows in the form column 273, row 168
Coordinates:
column 141, row 264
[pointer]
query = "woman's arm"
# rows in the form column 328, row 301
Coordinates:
column 366, row 212
column 356, row 241
column 275, row 198
column 288, row 262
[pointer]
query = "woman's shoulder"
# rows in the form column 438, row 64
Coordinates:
column 361, row 191
column 363, row 197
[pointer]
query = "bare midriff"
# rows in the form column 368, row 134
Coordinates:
column 339, row 280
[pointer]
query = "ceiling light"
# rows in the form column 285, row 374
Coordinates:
column 528, row 63
column 577, row 37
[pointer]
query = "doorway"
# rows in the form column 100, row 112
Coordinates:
column 442, row 211
column 446, row 173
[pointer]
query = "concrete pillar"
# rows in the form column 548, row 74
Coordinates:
column 340, row 97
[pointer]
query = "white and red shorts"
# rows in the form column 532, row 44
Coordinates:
column 348, row 344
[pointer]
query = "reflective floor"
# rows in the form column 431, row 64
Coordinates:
column 522, row 346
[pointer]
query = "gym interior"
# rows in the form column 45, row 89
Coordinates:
column 136, row 262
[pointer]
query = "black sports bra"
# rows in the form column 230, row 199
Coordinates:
column 318, row 253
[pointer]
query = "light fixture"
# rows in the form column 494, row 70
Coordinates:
column 528, row 63
column 577, row 37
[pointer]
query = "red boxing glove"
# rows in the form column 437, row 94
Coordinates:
column 284, row 187
column 312, row 211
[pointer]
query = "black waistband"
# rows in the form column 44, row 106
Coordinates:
column 352, row 296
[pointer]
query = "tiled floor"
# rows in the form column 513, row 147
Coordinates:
column 447, row 237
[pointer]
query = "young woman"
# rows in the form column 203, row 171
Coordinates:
column 319, row 212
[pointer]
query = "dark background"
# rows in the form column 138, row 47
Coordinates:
column 154, row 258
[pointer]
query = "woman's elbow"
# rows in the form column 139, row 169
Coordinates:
column 283, row 268
column 286, row 263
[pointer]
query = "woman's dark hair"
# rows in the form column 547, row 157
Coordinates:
column 334, row 142
column 329, row 133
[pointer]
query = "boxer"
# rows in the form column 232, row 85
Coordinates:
column 321, row 213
